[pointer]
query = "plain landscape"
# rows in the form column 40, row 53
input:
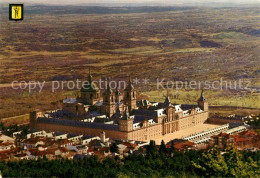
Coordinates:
column 175, row 43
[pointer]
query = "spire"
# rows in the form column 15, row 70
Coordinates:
column 202, row 96
column 129, row 86
column 167, row 100
column 130, row 80
column 89, row 75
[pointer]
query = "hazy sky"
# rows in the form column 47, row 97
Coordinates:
column 75, row 2
column 142, row 2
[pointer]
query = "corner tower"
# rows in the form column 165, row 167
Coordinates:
column 118, row 95
column 126, row 123
column 202, row 102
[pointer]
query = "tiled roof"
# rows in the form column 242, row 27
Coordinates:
column 67, row 122
column 34, row 140
column 248, row 133
column 138, row 119
column 144, row 112
column 188, row 106
column 86, row 137
column 6, row 144
column 70, row 135
column 183, row 145
column 240, row 139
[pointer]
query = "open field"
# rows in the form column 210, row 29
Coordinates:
column 221, row 102
column 215, row 97
column 19, row 120
column 172, row 43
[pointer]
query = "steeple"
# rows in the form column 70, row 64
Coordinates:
column 129, row 86
column 167, row 101
column 89, row 75
column 202, row 96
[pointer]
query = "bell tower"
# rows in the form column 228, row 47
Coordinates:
column 130, row 95
column 118, row 95
column 109, row 102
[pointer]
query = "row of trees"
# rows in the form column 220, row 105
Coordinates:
column 160, row 162
column 9, row 130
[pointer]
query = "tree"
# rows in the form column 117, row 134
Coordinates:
column 229, row 163
column 163, row 148
column 114, row 148
column 172, row 149
column 151, row 148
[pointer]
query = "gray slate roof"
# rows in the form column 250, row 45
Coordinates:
column 67, row 122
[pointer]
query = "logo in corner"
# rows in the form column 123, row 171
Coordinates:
column 16, row 12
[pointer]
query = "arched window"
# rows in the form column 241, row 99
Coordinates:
column 91, row 96
column 106, row 99
column 112, row 99
column 127, row 95
column 133, row 94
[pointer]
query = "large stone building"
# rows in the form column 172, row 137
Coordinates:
column 121, row 116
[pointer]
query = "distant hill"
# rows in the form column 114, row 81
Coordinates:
column 43, row 9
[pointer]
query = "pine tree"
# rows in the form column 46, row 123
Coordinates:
column 151, row 148
column 114, row 148
column 163, row 148
column 227, row 163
